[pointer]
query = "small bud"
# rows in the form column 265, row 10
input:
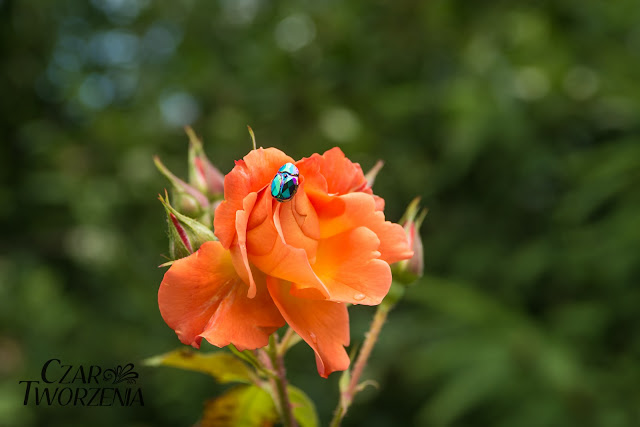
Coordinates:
column 186, row 234
column 191, row 199
column 202, row 174
column 408, row 271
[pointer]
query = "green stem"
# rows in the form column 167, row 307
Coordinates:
column 337, row 416
column 350, row 391
column 289, row 339
column 280, row 381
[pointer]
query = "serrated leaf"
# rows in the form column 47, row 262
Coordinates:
column 224, row 367
column 244, row 406
column 304, row 411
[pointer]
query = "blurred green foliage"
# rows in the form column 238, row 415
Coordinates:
column 517, row 122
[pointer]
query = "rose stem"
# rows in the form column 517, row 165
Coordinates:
column 371, row 337
column 281, row 383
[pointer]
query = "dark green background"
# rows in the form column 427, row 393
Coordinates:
column 516, row 122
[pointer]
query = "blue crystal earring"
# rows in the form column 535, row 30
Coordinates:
column 285, row 183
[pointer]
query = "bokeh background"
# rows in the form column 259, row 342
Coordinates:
column 518, row 123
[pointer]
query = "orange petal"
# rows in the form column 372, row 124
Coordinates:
column 263, row 164
column 309, row 168
column 394, row 243
column 269, row 251
column 202, row 296
column 236, row 188
column 342, row 175
column 285, row 261
column 251, row 174
column 295, row 222
column 242, row 218
column 379, row 203
column 261, row 232
column 348, row 265
column 299, row 223
column 262, row 210
column 324, row 325
column 338, row 214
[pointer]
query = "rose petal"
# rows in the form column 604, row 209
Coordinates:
column 394, row 244
column 284, row 261
column 299, row 223
column 242, row 218
column 337, row 214
column 236, row 188
column 348, row 265
column 309, row 168
column 379, row 203
column 202, row 296
column 342, row 175
column 324, row 325
column 270, row 253
column 251, row 174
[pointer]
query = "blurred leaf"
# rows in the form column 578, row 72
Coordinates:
column 463, row 301
column 244, row 406
column 304, row 410
column 465, row 389
column 600, row 175
column 223, row 366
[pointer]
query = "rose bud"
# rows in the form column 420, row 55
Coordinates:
column 188, row 198
column 186, row 234
column 410, row 270
column 202, row 174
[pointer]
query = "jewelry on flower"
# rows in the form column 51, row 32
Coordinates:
column 285, row 183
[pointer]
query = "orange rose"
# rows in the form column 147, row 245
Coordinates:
column 298, row 261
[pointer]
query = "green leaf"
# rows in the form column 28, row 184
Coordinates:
column 251, row 359
column 224, row 367
column 304, row 411
column 244, row 406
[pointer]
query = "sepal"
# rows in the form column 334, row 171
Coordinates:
column 186, row 234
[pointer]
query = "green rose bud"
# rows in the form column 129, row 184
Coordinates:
column 186, row 234
column 410, row 270
column 205, row 177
